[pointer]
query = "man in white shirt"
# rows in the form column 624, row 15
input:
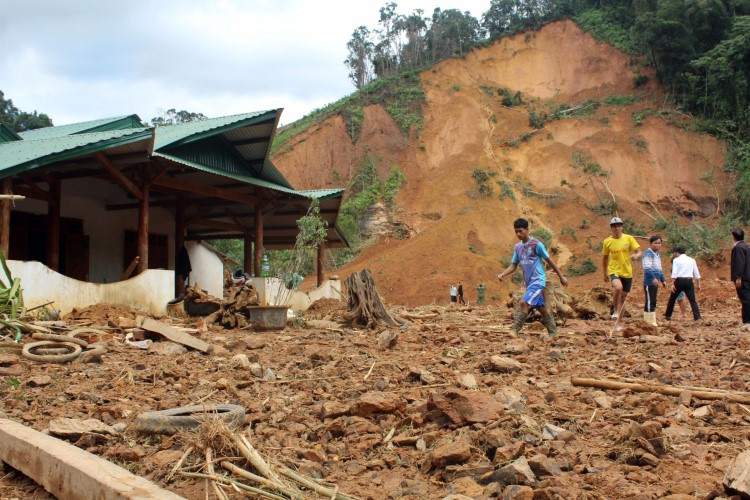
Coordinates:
column 684, row 269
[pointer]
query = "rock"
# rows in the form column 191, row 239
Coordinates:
column 685, row 398
column 316, row 456
column 508, row 396
column 39, row 381
column 467, row 486
column 550, row 432
column 678, row 496
column 387, row 339
column 502, row 364
column 543, row 466
column 256, row 369
column 515, row 347
column 332, row 409
column 419, row 373
column 516, row 472
column 456, row 496
column 516, row 492
column 167, row 348
column 467, row 381
column 601, row 399
column 127, row 454
column 74, row 428
column 371, row 403
column 119, row 427
column 220, row 351
column 223, row 384
column 645, row 458
column 456, row 452
column 269, row 374
column 421, row 445
column 161, row 459
column 510, row 452
column 464, row 407
column 240, row 361
column 701, row 412
column 737, row 475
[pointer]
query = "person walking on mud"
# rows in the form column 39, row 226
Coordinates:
column 653, row 276
column 453, row 293
column 617, row 254
column 740, row 266
column 529, row 253
column 684, row 269
column 461, row 294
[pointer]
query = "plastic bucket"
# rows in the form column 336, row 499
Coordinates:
column 267, row 317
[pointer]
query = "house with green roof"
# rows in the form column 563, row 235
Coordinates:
column 107, row 195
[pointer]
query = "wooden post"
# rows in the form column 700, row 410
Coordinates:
column 6, row 187
column 258, row 237
column 143, row 222
column 179, row 242
column 53, row 228
column 247, row 263
column 319, row 265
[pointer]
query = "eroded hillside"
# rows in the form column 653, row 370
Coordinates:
column 580, row 139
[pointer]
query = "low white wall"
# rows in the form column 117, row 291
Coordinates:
column 272, row 292
column 208, row 270
column 149, row 291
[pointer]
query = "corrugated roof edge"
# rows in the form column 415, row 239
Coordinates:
column 242, row 178
column 105, row 141
column 221, row 127
column 77, row 127
column 7, row 134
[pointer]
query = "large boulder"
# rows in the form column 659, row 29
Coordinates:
column 464, row 407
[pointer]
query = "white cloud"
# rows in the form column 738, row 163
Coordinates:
column 80, row 60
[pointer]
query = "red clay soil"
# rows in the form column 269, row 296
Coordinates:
column 655, row 166
column 373, row 419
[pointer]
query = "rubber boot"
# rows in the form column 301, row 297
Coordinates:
column 650, row 318
column 519, row 318
column 549, row 322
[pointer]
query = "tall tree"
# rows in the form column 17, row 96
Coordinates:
column 360, row 57
column 18, row 120
column 451, row 33
column 173, row 117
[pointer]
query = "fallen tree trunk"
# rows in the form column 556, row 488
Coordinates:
column 365, row 307
column 667, row 390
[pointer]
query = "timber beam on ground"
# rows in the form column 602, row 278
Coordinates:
column 69, row 472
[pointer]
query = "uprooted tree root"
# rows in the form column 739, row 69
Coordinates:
column 365, row 307
column 213, row 443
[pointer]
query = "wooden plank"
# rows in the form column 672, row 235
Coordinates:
column 68, row 472
column 172, row 334
column 119, row 176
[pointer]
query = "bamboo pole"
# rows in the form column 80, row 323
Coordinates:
column 667, row 390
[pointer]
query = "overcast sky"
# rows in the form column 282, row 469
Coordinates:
column 79, row 60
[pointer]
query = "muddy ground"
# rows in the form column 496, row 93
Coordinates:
column 405, row 421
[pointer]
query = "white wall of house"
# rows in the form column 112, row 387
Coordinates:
column 148, row 292
column 272, row 292
column 208, row 270
column 86, row 199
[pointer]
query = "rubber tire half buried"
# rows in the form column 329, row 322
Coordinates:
column 75, row 351
column 188, row 417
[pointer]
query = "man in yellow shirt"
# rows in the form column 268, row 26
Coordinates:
column 617, row 254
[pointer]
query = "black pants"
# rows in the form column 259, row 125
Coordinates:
column 650, row 292
column 461, row 299
column 683, row 285
column 743, row 293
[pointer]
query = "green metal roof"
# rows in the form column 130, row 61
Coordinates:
column 101, row 125
column 21, row 156
column 322, row 194
column 7, row 135
column 183, row 133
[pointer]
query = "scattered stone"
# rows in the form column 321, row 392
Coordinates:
column 456, row 452
column 74, row 428
column 387, row 339
column 464, row 407
column 502, row 364
column 167, row 348
column 515, row 347
column 516, row 492
column 544, row 466
column 685, row 398
column 421, row 445
column 240, row 361
column 467, row 486
column 601, row 399
column 332, row 409
column 223, row 384
column 508, row 396
column 371, row 403
column 419, row 373
column 508, row 453
column 269, row 374
column 550, row 432
column 467, row 381
column 119, row 427
column 316, row 456
column 737, row 475
column 39, row 381
column 256, row 369
column 701, row 412
column 127, row 454
column 516, row 472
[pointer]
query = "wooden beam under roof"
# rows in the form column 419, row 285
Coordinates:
column 204, row 190
column 119, row 177
column 247, row 142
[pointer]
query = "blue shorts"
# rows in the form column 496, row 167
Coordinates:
column 534, row 296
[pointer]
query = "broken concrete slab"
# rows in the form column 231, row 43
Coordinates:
column 737, row 475
column 172, row 334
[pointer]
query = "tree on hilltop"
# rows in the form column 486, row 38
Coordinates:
column 20, row 121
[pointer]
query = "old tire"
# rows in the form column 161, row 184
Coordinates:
column 60, row 338
column 188, row 417
column 75, row 351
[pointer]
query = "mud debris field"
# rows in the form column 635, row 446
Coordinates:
column 450, row 404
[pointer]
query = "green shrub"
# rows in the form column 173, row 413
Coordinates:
column 505, row 191
column 536, row 120
column 510, row 98
column 585, row 267
column 620, row 100
column 567, row 230
column 484, row 188
column 543, row 235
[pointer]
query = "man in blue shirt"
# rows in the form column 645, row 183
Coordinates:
column 529, row 253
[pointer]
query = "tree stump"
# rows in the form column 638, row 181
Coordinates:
column 364, row 305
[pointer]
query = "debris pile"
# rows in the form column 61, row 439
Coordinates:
column 232, row 312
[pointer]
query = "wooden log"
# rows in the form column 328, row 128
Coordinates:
column 179, row 242
column 319, row 264
column 129, row 270
column 667, row 390
column 69, row 472
column 5, row 188
column 172, row 334
column 143, row 220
